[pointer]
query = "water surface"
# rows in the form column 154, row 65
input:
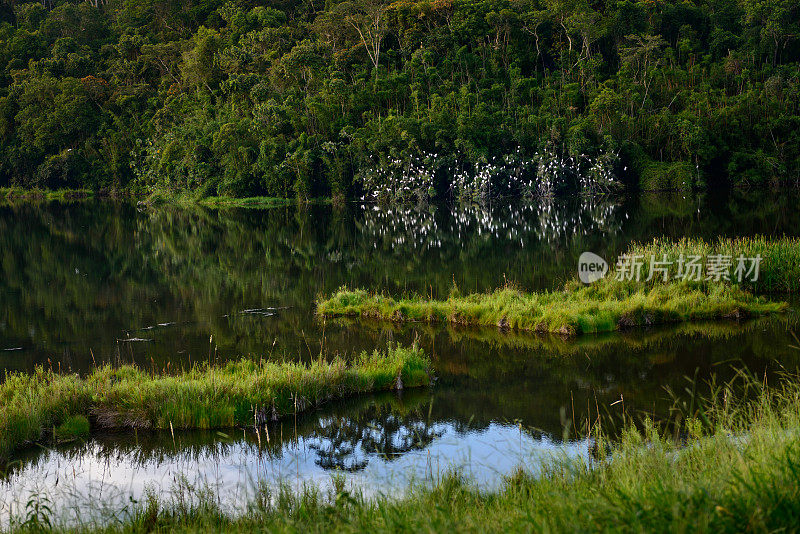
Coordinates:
column 79, row 280
column 94, row 282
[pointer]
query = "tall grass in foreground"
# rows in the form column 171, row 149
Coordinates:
column 735, row 466
column 244, row 392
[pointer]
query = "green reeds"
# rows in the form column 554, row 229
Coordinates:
column 779, row 269
column 244, row 392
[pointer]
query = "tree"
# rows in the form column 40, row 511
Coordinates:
column 777, row 20
column 200, row 65
column 642, row 53
column 367, row 19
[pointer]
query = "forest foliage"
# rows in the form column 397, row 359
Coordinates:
column 296, row 98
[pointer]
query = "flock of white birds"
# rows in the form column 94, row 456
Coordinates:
column 541, row 176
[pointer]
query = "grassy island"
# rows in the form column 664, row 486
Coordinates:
column 246, row 392
column 608, row 304
column 603, row 307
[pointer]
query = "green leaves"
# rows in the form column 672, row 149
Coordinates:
column 252, row 100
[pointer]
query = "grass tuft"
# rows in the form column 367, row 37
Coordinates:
column 73, row 427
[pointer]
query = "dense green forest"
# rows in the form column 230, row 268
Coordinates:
column 300, row 98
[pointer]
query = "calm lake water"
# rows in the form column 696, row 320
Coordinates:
column 80, row 281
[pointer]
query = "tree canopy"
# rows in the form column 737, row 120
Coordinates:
column 302, row 98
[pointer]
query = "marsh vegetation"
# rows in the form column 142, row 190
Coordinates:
column 724, row 459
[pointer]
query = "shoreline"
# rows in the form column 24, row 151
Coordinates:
column 12, row 195
column 18, row 194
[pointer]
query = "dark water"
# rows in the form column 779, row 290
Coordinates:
column 78, row 280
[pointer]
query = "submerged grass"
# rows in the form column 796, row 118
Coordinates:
column 608, row 304
column 734, row 467
column 244, row 392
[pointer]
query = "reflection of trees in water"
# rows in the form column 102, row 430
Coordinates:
column 561, row 221
column 344, row 443
column 120, row 270
column 487, row 375
column 522, row 224
column 342, row 433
